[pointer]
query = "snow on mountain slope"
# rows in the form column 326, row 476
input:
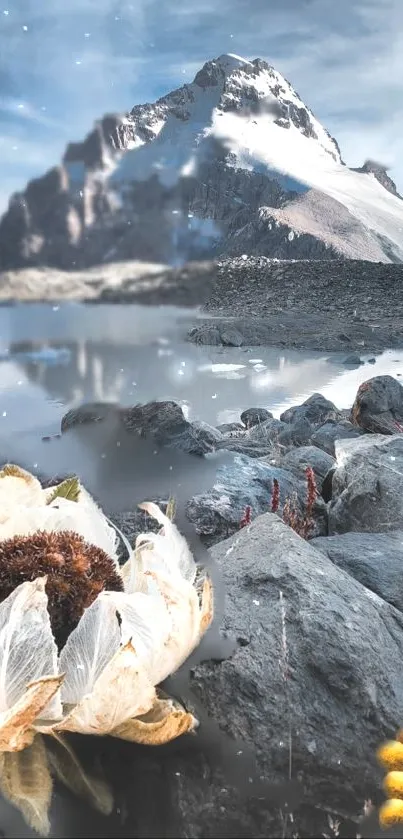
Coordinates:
column 233, row 162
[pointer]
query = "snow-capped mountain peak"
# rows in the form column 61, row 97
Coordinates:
column 233, row 162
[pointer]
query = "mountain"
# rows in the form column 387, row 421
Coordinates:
column 232, row 163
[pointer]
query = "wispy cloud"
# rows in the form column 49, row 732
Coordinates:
column 68, row 63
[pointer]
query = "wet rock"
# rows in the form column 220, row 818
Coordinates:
column 367, row 485
column 317, row 410
column 298, row 459
column 162, row 421
column 87, row 413
column 326, row 435
column 353, row 360
column 374, row 559
column 336, row 691
column 378, row 406
column 255, row 416
column 247, row 482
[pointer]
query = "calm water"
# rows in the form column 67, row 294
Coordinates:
column 52, row 358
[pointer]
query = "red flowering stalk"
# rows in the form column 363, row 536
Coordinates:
column 275, row 496
column 246, row 518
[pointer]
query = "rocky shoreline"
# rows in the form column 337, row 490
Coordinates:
column 312, row 685
column 324, row 305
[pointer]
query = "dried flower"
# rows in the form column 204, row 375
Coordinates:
column 133, row 627
column 246, row 518
column 275, row 496
column 75, row 574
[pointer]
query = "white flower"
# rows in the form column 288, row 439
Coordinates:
column 103, row 681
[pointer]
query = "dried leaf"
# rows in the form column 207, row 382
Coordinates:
column 16, row 730
column 65, row 764
column 26, row 782
column 14, row 471
column 207, row 606
column 122, row 691
column 166, row 721
column 27, row 648
column 70, row 489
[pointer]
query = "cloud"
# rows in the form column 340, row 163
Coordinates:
column 80, row 59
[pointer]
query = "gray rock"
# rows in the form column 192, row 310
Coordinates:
column 326, row 435
column 267, row 430
column 298, row 459
column 353, row 360
column 316, row 681
column 367, row 485
column 297, row 433
column 87, row 413
column 378, row 406
column 246, row 482
column 374, row 559
column 255, row 416
column 317, row 410
column 232, row 338
column 227, row 428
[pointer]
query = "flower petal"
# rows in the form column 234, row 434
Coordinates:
column 26, row 782
column 27, row 647
column 170, row 552
column 66, row 766
column 89, row 649
column 146, row 622
column 122, row 691
column 18, row 488
column 15, row 725
column 165, row 721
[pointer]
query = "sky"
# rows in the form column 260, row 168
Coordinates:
column 64, row 63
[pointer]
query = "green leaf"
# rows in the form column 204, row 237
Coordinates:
column 171, row 509
column 70, row 488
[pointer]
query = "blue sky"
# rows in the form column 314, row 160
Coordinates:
column 63, row 63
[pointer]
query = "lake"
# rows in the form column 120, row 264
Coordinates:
column 55, row 357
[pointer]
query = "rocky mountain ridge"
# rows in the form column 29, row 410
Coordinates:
column 232, row 163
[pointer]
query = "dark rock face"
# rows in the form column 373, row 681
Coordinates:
column 374, row 559
column 246, row 482
column 380, row 172
column 367, row 485
column 378, row 406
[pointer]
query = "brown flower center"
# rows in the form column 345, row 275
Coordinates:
column 76, row 573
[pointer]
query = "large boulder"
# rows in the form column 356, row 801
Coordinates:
column 317, row 410
column 374, row 559
column 246, row 482
column 378, row 406
column 367, row 485
column 314, row 687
